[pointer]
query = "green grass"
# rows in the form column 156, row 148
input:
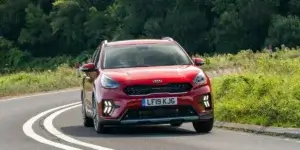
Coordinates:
column 266, row 93
column 23, row 82
column 223, row 61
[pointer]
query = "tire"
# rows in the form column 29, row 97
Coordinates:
column 99, row 128
column 204, row 126
column 175, row 124
column 87, row 121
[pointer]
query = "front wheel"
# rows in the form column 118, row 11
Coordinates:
column 87, row 121
column 99, row 128
column 204, row 126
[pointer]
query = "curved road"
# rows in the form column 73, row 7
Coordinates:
column 42, row 122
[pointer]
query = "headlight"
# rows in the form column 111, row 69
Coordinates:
column 200, row 79
column 107, row 82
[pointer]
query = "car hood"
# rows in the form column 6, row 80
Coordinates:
column 146, row 75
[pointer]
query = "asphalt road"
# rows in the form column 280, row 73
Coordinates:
column 62, row 128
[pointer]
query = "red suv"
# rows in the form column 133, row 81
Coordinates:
column 145, row 81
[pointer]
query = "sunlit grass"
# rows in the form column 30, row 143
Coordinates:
column 30, row 82
column 266, row 93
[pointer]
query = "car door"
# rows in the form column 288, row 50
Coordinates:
column 88, row 82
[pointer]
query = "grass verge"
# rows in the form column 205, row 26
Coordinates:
column 31, row 82
column 224, row 61
column 267, row 93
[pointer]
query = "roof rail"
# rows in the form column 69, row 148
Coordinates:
column 167, row 38
column 104, row 42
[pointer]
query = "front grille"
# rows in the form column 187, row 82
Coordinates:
column 159, row 112
column 149, row 89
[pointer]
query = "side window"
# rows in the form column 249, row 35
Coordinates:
column 94, row 55
column 97, row 54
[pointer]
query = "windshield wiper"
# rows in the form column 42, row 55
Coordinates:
column 142, row 66
column 116, row 67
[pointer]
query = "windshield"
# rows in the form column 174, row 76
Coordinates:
column 144, row 55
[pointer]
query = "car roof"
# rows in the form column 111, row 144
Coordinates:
column 138, row 41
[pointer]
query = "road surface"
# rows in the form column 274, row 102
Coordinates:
column 42, row 122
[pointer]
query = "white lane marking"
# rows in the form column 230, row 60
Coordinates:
column 28, row 130
column 48, row 124
column 39, row 94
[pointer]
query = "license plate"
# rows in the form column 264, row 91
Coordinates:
column 159, row 101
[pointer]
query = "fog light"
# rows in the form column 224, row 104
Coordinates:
column 108, row 106
column 206, row 101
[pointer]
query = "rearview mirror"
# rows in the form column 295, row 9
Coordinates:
column 198, row 61
column 89, row 67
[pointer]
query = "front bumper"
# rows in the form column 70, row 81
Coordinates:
column 203, row 116
column 129, row 110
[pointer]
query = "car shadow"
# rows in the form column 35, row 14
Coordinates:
column 132, row 131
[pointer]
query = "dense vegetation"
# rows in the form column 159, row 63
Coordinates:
column 267, row 92
column 32, row 32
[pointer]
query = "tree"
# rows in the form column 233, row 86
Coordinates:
column 37, row 32
column 284, row 30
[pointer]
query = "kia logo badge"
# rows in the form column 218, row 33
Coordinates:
column 157, row 81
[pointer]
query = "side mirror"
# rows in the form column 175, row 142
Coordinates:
column 198, row 61
column 89, row 67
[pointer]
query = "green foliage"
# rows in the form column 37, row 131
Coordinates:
column 40, row 29
column 285, row 30
column 37, row 32
column 11, row 56
column 266, row 93
column 229, row 25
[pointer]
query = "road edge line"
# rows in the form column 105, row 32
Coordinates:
column 28, row 130
column 48, row 124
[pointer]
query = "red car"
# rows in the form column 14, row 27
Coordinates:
column 145, row 81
